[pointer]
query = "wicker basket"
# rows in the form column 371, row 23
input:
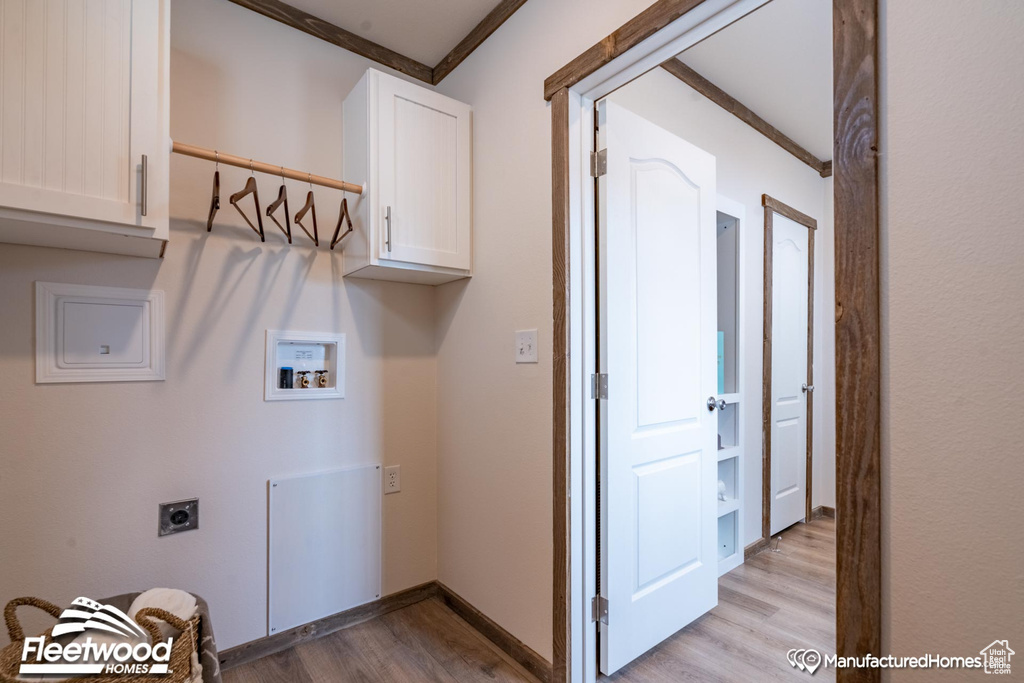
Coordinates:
column 180, row 664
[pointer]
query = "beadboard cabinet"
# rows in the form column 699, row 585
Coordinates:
column 84, row 132
column 412, row 148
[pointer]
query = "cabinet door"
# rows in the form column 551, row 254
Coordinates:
column 423, row 176
column 80, row 87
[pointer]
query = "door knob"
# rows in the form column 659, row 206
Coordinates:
column 805, row 388
column 713, row 403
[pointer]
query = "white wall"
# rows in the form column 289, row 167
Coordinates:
column 86, row 465
column 749, row 165
column 952, row 361
column 494, row 417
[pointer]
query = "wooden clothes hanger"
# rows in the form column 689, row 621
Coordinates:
column 343, row 217
column 282, row 198
column 250, row 188
column 215, row 199
column 308, row 207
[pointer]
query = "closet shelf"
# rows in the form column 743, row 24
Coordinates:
column 727, row 453
column 728, row 505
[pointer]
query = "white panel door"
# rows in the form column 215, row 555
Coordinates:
column 789, row 372
column 80, row 106
column 658, row 346
column 424, row 176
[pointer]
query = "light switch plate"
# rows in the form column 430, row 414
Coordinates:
column 526, row 346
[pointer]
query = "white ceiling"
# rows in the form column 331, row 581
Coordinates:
column 425, row 30
column 778, row 62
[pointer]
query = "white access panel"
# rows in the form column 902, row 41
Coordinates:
column 98, row 334
column 325, row 545
column 101, row 332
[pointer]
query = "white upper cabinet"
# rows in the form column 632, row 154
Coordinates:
column 84, row 135
column 412, row 149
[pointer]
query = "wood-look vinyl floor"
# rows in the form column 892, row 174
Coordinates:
column 422, row 642
column 768, row 605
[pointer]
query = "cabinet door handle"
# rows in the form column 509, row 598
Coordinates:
column 145, row 184
column 387, row 238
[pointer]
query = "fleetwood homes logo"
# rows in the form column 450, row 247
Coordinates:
column 125, row 651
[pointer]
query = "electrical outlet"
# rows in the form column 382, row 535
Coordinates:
column 392, row 479
column 182, row 515
column 526, row 346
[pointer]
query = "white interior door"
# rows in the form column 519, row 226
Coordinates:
column 790, row 242
column 658, row 347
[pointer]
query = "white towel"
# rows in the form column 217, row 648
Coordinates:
column 177, row 602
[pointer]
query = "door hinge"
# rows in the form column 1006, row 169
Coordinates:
column 599, row 163
column 599, row 609
column 599, row 385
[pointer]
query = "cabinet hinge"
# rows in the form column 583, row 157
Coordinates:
column 599, row 609
column 599, row 385
column 599, row 163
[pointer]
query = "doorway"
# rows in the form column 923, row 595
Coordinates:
column 573, row 90
column 677, row 330
column 788, row 363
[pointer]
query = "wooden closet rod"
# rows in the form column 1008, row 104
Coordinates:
column 241, row 162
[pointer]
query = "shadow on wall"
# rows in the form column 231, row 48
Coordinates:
column 19, row 275
column 237, row 262
column 386, row 322
column 231, row 288
column 446, row 302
